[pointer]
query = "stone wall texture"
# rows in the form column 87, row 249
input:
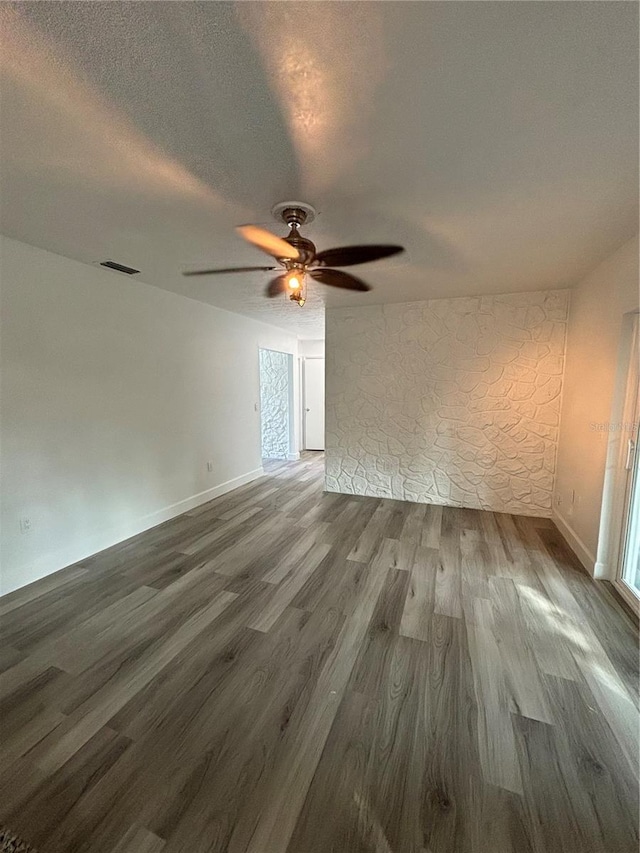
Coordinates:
column 450, row 401
column 274, row 403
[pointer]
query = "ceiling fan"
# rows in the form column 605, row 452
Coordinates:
column 298, row 257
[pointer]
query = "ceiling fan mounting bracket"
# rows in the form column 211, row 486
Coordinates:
column 293, row 213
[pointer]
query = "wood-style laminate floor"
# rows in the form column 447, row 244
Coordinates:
column 287, row 671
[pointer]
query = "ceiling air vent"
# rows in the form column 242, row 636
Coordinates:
column 112, row 265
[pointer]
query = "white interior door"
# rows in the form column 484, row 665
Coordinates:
column 313, row 382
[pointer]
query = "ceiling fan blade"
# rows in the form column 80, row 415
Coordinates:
column 276, row 286
column 336, row 278
column 268, row 242
column 347, row 256
column 228, row 270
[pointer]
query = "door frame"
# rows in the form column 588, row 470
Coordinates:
column 303, row 394
column 632, row 498
column 630, row 484
column 614, row 494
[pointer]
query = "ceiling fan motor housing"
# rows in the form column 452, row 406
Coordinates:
column 306, row 250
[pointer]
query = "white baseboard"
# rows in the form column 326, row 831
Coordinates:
column 20, row 576
column 185, row 505
column 293, row 457
column 585, row 556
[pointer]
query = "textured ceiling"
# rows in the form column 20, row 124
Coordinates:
column 496, row 141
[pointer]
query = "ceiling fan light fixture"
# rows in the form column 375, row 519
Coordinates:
column 295, row 280
column 296, row 286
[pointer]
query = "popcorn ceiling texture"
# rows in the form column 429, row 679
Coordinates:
column 451, row 401
column 274, row 403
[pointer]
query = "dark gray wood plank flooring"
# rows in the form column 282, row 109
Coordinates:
column 287, row 671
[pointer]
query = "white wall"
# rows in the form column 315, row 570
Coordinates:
column 451, row 401
column 311, row 349
column 598, row 307
column 115, row 394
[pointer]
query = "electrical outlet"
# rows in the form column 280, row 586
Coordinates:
column 25, row 525
column 209, row 466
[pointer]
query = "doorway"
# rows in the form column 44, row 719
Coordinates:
column 276, row 409
column 313, row 403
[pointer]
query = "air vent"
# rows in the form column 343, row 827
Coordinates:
column 112, row 265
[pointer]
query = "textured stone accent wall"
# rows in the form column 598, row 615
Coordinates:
column 451, row 401
column 274, row 403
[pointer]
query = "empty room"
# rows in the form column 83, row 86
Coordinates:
column 319, row 421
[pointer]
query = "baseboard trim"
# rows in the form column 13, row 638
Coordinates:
column 585, row 556
column 63, row 558
column 186, row 504
column 293, row 457
column 331, row 486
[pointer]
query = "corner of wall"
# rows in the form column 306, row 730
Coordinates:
column 576, row 544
